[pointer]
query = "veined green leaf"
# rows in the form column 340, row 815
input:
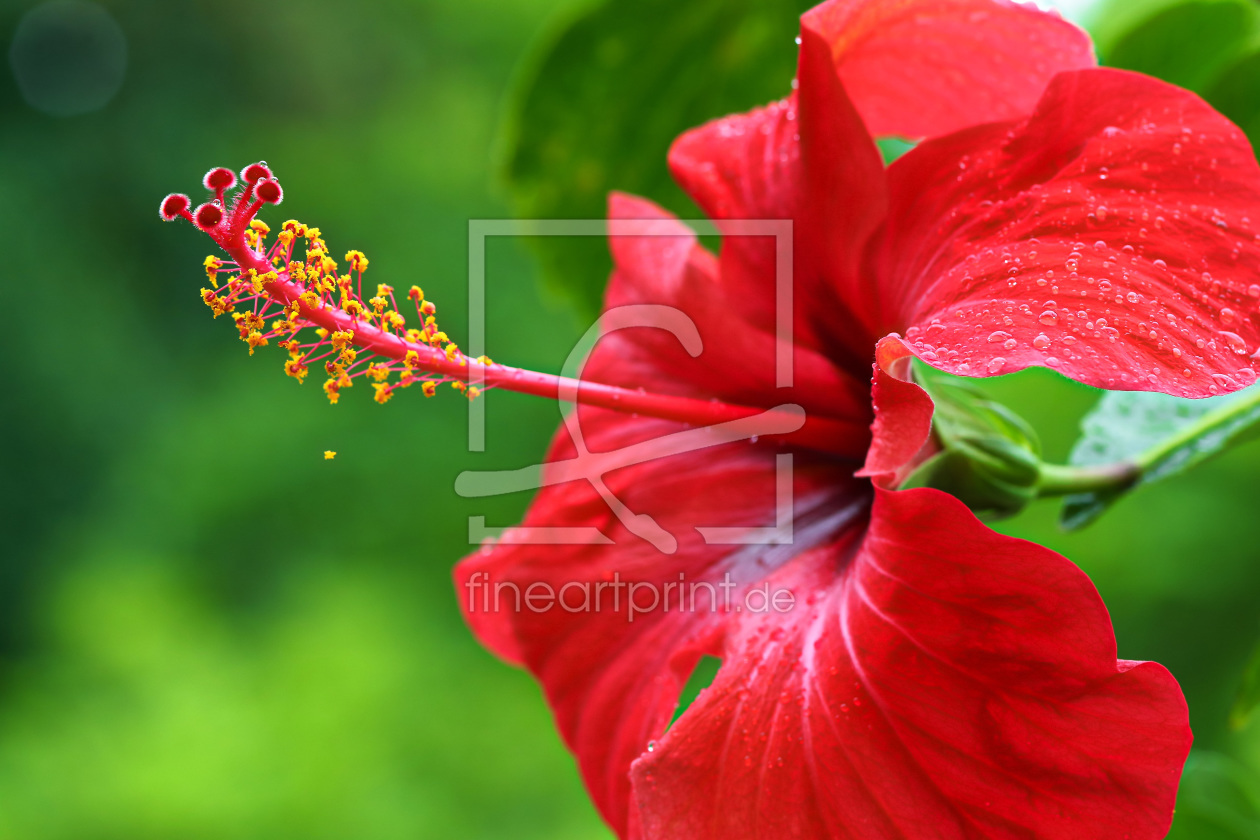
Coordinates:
column 1163, row 435
column 607, row 94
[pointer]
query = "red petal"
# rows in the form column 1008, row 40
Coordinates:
column 922, row 68
column 903, row 416
column 808, row 159
column 1109, row 236
column 613, row 683
column 742, row 360
column 953, row 683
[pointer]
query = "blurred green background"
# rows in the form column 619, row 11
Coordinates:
column 208, row 631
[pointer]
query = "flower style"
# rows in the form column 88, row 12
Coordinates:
column 931, row 678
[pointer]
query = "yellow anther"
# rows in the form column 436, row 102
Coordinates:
column 414, row 335
column 379, row 304
column 329, row 454
column 357, row 261
column 285, row 238
column 342, row 338
column 353, row 308
column 294, row 227
column 411, row 360
column 383, row 392
column 384, row 289
column 332, row 390
column 451, row 351
column 329, row 266
column 310, row 299
column 429, row 388
column 473, row 392
column 416, row 294
column 296, row 369
column 311, row 234
column 428, row 308
column 255, row 340
column 321, row 332
column 253, row 322
column 395, row 320
column 260, row 226
column 378, row 372
column 459, row 386
column 348, row 356
column 485, row 360
column 213, row 264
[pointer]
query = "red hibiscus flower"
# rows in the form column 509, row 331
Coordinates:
column 923, row 676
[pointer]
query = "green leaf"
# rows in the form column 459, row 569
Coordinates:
column 607, row 95
column 1188, row 44
column 1236, row 94
column 1218, row 800
column 1163, row 435
column 1248, row 693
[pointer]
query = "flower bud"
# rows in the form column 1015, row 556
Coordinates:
column 988, row 456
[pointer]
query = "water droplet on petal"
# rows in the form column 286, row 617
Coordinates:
column 997, row 336
column 1041, row 342
column 1235, row 342
column 1049, row 317
column 995, row 364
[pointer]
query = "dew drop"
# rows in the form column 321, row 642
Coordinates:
column 1041, row 342
column 997, row 336
column 1010, row 344
column 1235, row 342
column 1227, row 316
column 1052, row 361
column 995, row 364
column 1049, row 318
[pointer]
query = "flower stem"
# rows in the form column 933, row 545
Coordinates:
column 1225, row 421
column 1220, row 424
column 1061, row 480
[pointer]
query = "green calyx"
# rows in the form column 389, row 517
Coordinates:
column 989, row 457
